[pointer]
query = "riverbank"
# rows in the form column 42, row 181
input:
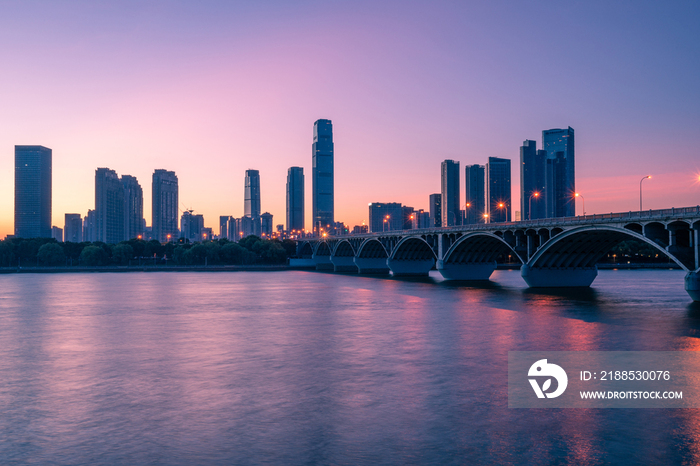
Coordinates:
column 152, row 268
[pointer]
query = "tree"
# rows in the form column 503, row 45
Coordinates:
column 122, row 253
column 51, row 254
column 93, row 255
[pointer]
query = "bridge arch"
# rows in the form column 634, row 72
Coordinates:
column 372, row 249
column 478, row 247
column 343, row 249
column 583, row 247
column 412, row 255
column 322, row 249
column 306, row 250
column 343, row 256
column 371, row 257
column 322, row 256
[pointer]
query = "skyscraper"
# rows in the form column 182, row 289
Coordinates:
column 498, row 196
column 73, row 229
column 435, row 210
column 560, row 172
column 33, row 191
column 266, row 225
column 295, row 198
column 165, row 205
column 450, row 193
column 109, row 206
column 192, row 227
column 322, row 173
column 385, row 217
column 533, row 169
column 252, row 199
column 223, row 226
column 475, row 205
column 133, row 207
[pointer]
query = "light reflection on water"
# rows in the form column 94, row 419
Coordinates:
column 299, row 367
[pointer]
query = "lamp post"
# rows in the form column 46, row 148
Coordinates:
column 386, row 222
column 536, row 195
column 583, row 202
column 467, row 213
column 486, row 218
column 640, row 191
column 502, row 205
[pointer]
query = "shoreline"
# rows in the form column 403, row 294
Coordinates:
column 258, row 268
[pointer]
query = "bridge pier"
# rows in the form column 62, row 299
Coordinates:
column 410, row 268
column 692, row 284
column 466, row 271
column 371, row 265
column 343, row 264
column 323, row 262
column 558, row 277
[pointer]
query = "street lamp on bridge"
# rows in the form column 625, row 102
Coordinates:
column 640, row 191
column 502, row 205
column 536, row 195
column 583, row 203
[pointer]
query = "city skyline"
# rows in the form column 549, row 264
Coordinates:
column 213, row 91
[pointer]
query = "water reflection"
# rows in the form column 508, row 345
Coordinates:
column 296, row 367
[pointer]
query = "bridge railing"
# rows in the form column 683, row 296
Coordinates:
column 556, row 221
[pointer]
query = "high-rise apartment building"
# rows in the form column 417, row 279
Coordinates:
column 435, row 210
column 133, row 208
column 533, row 183
column 385, row 216
column 560, row 172
column 223, row 226
column 295, row 199
column 33, row 191
column 475, row 204
column 450, row 193
column 252, row 199
column 165, row 205
column 266, row 225
column 498, row 196
column 73, row 229
column 109, row 206
column 192, row 227
column 322, row 174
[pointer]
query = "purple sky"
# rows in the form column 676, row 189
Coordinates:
column 209, row 89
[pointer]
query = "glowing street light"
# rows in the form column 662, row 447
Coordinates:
column 640, row 191
column 536, row 195
column 502, row 205
column 486, row 218
column 583, row 202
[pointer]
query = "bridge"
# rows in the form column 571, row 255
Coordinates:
column 554, row 252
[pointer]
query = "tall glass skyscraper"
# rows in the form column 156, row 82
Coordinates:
column 109, row 206
column 560, row 172
column 33, row 191
column 251, row 205
column 165, row 205
column 295, row 199
column 133, row 207
column 435, row 201
column 533, row 181
column 475, row 204
column 498, row 190
column 322, row 174
column 450, row 193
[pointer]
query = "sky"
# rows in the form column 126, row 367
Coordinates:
column 212, row 88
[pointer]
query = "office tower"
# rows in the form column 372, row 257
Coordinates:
column 435, row 210
column 475, row 204
column 109, row 206
column 533, row 169
column 223, row 226
column 89, row 227
column 57, row 234
column 322, row 174
column 133, row 208
column 73, row 229
column 421, row 219
column 560, row 172
column 252, row 199
column 33, row 192
column 192, row 226
column 450, row 193
column 385, row 217
column 407, row 217
column 498, row 197
column 295, row 199
column 266, row 225
column 165, row 205
column 234, row 229
column 246, row 226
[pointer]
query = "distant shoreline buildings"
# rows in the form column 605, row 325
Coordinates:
column 547, row 188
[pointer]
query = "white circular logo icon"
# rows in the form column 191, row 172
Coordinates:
column 542, row 369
